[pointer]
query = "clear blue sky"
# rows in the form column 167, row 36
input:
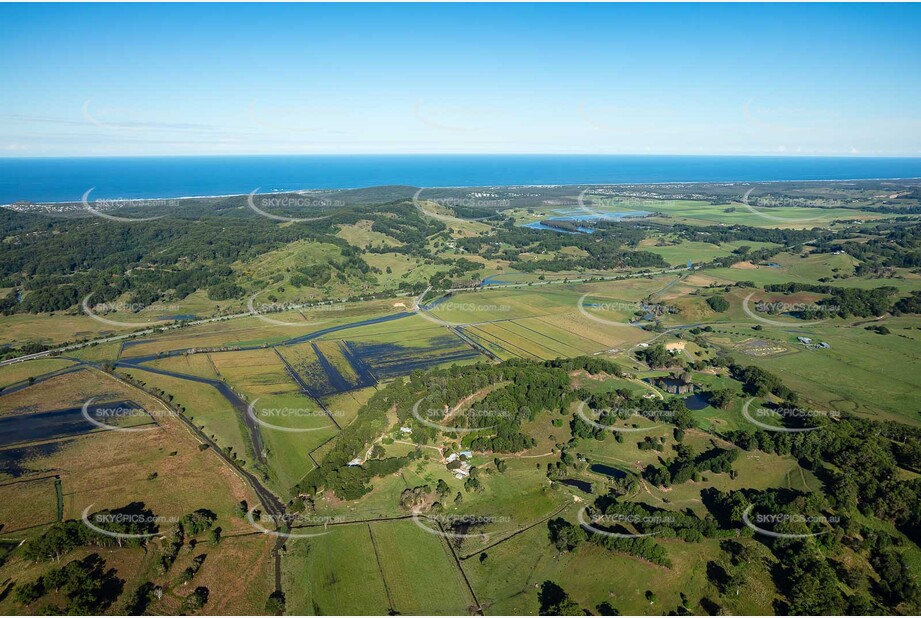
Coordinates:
column 540, row 78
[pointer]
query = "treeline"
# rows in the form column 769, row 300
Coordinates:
column 718, row 234
column 686, row 465
column 610, row 247
column 134, row 519
column 56, row 262
column 647, row 519
column 890, row 244
column 63, row 537
column 657, row 357
column 812, row 582
column 844, row 302
column 863, row 474
column 87, row 587
column 759, row 382
column 567, row 537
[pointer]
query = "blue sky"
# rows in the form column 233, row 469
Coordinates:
column 539, row 78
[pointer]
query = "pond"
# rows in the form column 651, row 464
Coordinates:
column 607, row 470
column 696, row 402
column 581, row 217
column 182, row 317
column 581, row 485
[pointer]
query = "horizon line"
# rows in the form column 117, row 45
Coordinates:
column 780, row 155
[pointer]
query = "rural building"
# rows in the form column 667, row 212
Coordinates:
column 463, row 471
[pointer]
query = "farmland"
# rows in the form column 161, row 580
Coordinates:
column 396, row 413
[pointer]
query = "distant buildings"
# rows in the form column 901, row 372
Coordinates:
column 461, row 455
column 807, row 342
column 457, row 463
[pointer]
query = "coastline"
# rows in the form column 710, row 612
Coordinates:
column 725, row 183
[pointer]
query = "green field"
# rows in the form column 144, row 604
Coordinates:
column 397, row 567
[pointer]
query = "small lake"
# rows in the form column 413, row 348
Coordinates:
column 580, row 485
column 496, row 280
column 537, row 225
column 607, row 470
column 581, row 216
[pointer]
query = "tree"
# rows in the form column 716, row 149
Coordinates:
column 720, row 398
column 565, row 536
column 606, row 609
column 718, row 304
column 196, row 600
column 29, row 591
column 137, row 603
column 555, row 602
column 275, row 604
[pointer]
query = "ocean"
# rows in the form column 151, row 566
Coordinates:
column 67, row 179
